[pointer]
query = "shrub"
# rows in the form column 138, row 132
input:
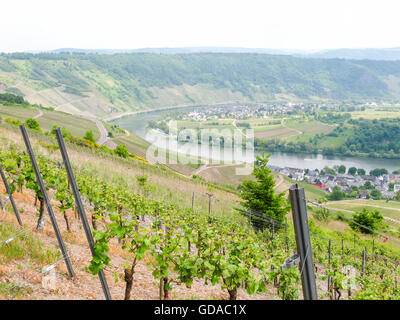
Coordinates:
column 13, row 121
column 89, row 136
column 32, row 124
column 322, row 215
column 336, row 194
column 122, row 151
column 370, row 219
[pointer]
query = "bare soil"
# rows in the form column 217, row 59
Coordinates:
column 27, row 274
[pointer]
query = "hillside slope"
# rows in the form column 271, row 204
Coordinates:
column 111, row 84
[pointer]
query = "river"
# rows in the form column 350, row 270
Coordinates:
column 137, row 124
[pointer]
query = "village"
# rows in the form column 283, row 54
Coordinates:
column 384, row 186
column 243, row 112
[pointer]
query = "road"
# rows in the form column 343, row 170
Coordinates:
column 279, row 182
column 206, row 167
column 244, row 135
column 38, row 115
column 100, row 126
column 103, row 131
column 292, row 135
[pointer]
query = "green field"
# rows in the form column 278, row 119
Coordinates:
column 75, row 124
column 376, row 113
column 17, row 112
column 309, row 127
column 389, row 209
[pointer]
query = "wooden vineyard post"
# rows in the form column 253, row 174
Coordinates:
column 3, row 177
column 363, row 263
column 286, row 236
column 250, row 220
column 47, row 201
column 329, row 265
column 81, row 209
column 342, row 248
column 209, row 204
column 273, row 230
column 303, row 242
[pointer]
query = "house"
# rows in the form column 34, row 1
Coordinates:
column 356, row 182
column 294, row 173
column 387, row 194
column 274, row 168
column 381, row 188
column 394, row 178
column 298, row 176
column 362, row 194
column 327, row 178
column 396, row 188
column 346, row 189
column 329, row 185
column 311, row 176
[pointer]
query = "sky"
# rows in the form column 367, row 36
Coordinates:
column 27, row 25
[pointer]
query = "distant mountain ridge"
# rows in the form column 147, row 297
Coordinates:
column 181, row 50
column 359, row 54
column 345, row 53
column 111, row 84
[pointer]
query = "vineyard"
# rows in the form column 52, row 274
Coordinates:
column 179, row 245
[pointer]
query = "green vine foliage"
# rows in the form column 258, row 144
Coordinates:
column 182, row 246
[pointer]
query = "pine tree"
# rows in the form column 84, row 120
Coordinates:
column 259, row 196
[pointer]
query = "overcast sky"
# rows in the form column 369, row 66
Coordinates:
column 131, row 24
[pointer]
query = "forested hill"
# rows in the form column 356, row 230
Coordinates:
column 105, row 83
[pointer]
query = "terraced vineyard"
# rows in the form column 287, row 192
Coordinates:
column 181, row 246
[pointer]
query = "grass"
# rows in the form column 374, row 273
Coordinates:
column 76, row 125
column 312, row 192
column 267, row 128
column 13, row 290
column 391, row 210
column 167, row 185
column 376, row 113
column 225, row 175
column 24, row 246
column 17, row 112
column 310, row 127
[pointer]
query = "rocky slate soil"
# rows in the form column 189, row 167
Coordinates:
column 57, row 284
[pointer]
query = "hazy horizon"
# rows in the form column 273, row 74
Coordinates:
column 309, row 25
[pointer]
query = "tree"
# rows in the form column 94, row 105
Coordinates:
column 368, row 185
column 259, row 196
column 336, row 194
column 122, row 151
column 369, row 219
column 378, row 172
column 361, row 172
column 89, row 136
column 352, row 171
column 64, row 131
column 328, row 170
column 342, row 169
column 32, row 124
column 322, row 215
column 375, row 194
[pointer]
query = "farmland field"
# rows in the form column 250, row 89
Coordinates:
column 76, row 125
